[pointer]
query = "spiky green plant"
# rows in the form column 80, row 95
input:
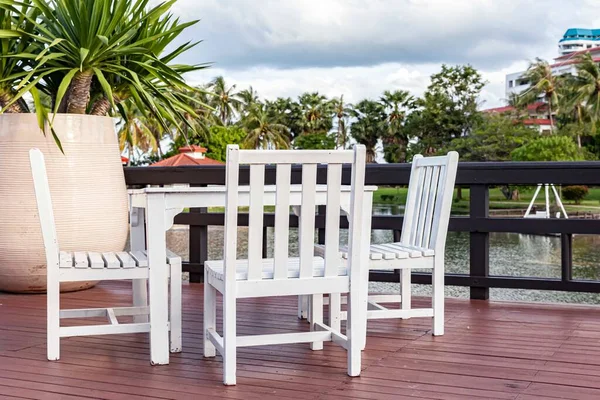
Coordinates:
column 94, row 54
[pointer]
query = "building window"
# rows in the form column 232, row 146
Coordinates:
column 511, row 84
column 589, row 46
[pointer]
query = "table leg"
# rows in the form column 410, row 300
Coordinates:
column 137, row 240
column 158, row 282
column 364, row 261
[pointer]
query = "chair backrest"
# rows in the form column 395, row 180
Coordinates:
column 429, row 201
column 44, row 204
column 282, row 197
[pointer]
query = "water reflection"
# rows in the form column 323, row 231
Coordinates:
column 511, row 254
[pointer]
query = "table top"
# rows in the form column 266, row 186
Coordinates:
column 222, row 189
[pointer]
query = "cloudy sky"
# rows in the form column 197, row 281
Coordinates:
column 361, row 47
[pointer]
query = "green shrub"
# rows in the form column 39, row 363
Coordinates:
column 575, row 193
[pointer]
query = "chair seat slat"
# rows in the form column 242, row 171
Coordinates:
column 111, row 260
column 96, row 260
column 126, row 260
column 140, row 258
column 66, row 259
column 80, row 259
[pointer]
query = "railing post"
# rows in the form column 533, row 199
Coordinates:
column 198, row 248
column 480, row 241
column 566, row 256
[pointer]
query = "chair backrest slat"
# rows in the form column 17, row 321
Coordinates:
column 306, row 197
column 332, row 219
column 425, row 189
column 255, row 217
column 429, row 200
column 44, row 205
column 443, row 206
column 430, row 211
column 282, row 220
column 411, row 200
column 306, row 229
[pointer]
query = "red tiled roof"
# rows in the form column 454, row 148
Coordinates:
column 536, row 121
column 574, row 61
column 183, row 159
column 531, row 107
column 576, row 53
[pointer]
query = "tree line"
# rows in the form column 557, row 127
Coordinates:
column 446, row 117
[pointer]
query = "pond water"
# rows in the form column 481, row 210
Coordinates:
column 511, row 254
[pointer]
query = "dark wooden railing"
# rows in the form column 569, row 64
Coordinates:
column 479, row 177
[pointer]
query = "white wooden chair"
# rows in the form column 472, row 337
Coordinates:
column 422, row 242
column 283, row 275
column 91, row 266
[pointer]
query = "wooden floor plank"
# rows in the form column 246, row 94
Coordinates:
column 491, row 350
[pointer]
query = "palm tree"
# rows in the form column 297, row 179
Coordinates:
column 573, row 107
column 135, row 131
column 371, row 119
column 225, row 100
column 342, row 112
column 587, row 89
column 397, row 104
column 316, row 113
column 201, row 117
column 262, row 131
column 545, row 84
column 248, row 97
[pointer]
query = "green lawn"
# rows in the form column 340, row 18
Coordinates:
column 397, row 196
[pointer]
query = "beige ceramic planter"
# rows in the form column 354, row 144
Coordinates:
column 88, row 194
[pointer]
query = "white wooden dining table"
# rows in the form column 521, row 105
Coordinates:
column 152, row 211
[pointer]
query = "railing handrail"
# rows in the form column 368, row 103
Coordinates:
column 469, row 173
column 478, row 176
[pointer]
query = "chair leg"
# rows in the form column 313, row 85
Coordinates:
column 210, row 316
column 335, row 307
column 175, row 303
column 229, row 338
column 438, row 297
column 303, row 307
column 316, row 317
column 405, row 292
column 140, row 298
column 354, row 335
column 53, row 318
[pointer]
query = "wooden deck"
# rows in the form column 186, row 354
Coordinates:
column 490, row 351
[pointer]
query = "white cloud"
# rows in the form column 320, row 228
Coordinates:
column 361, row 47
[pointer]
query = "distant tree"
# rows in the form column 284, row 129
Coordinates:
column 136, row 132
column 549, row 148
column 395, row 140
column 544, row 83
column 585, row 87
column 493, row 139
column 447, row 110
column 462, row 85
column 247, row 97
column 370, row 123
column 317, row 113
column 315, row 141
column 198, row 100
column 287, row 112
column 224, row 99
column 342, row 113
column 262, row 131
column 220, row 137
